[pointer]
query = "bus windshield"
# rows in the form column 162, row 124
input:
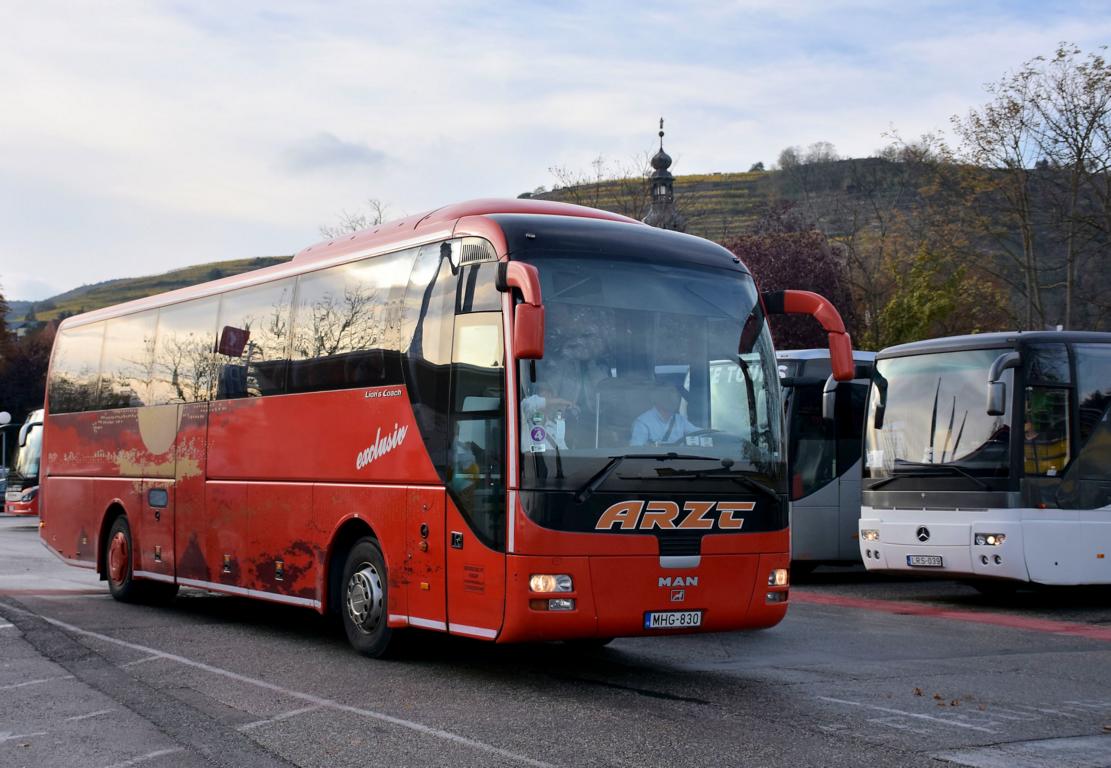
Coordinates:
column 27, row 461
column 934, row 415
column 644, row 359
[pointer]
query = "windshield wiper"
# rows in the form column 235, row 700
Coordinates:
column 737, row 476
column 929, row 470
column 599, row 477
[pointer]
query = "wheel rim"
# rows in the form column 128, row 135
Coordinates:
column 117, row 558
column 365, row 598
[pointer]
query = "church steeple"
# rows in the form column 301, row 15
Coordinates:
column 661, row 211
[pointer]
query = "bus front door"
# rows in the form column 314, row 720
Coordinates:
column 425, row 561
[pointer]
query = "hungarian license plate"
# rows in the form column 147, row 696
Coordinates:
column 672, row 619
column 929, row 561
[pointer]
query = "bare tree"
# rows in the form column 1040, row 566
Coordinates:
column 374, row 214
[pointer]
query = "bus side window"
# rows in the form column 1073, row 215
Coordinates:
column 128, row 364
column 257, row 320
column 183, row 357
column 1093, row 386
column 347, row 324
column 1046, row 431
column 75, row 374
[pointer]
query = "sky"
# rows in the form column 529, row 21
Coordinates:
column 138, row 137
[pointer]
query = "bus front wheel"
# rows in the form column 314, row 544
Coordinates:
column 364, row 600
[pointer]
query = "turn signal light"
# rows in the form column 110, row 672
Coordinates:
column 989, row 539
column 870, row 534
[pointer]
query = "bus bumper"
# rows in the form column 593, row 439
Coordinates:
column 945, row 545
column 612, row 596
column 22, row 507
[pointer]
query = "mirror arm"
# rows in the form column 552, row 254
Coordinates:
column 822, row 310
column 524, row 277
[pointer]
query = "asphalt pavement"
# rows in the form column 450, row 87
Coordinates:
column 863, row 672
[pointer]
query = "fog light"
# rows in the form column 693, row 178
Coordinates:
column 989, row 539
column 876, row 554
column 778, row 578
column 868, row 553
column 998, row 560
column 870, row 534
column 561, row 604
column 548, row 582
column 984, row 559
column 776, row 597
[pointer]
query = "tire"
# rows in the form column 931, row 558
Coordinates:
column 119, row 560
column 364, row 599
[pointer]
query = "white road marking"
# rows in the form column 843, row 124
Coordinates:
column 916, row 715
column 308, row 697
column 98, row 713
column 39, row 681
column 144, row 758
column 9, row 736
column 278, row 718
column 6, row 626
column 143, row 660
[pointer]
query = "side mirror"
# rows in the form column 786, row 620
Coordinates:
column 997, row 390
column 528, row 316
column 997, row 398
column 820, row 308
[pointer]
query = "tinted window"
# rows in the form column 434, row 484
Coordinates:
column 427, row 318
column 252, row 344
column 812, row 449
column 73, row 380
column 347, row 327
column 1045, row 436
column 478, row 290
column 128, row 364
column 183, row 370
column 1093, row 382
column 1048, row 364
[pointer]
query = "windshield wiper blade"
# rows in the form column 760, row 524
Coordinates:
column 737, row 476
column 599, row 477
column 929, row 470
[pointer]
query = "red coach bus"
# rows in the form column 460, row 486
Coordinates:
column 511, row 420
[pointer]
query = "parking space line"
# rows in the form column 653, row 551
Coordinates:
column 5, row 736
column 39, row 681
column 308, row 697
column 904, row 713
column 279, row 718
column 144, row 758
column 98, row 713
column 1049, row 626
column 143, row 660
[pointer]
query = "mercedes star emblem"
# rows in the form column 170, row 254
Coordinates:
column 923, row 533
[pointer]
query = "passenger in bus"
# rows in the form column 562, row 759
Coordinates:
column 662, row 424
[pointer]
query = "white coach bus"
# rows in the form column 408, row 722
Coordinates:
column 988, row 457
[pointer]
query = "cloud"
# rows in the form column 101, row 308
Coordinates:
column 325, row 151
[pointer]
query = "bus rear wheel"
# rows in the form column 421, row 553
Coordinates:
column 364, row 600
column 119, row 559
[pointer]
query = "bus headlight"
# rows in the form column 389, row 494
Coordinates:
column 869, row 534
column 548, row 582
column 29, row 496
column 989, row 539
column 778, row 578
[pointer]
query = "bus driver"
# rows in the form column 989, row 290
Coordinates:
column 662, row 423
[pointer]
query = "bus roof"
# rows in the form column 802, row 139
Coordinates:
column 430, row 226
column 999, row 340
column 821, row 353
